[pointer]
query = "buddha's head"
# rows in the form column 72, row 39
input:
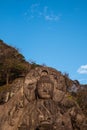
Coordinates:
column 45, row 88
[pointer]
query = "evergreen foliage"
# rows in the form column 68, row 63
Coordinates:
column 12, row 63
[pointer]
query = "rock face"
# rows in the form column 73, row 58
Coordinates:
column 40, row 101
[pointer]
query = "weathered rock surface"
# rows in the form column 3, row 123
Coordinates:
column 40, row 101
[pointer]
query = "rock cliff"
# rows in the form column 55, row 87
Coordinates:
column 40, row 101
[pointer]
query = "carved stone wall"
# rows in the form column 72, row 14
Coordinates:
column 41, row 102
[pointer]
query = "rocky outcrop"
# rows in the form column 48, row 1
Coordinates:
column 40, row 101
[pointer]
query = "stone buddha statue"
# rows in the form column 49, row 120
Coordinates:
column 45, row 105
column 40, row 114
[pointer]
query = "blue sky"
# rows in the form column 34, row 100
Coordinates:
column 51, row 32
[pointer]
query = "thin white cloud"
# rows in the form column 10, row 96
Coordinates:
column 82, row 69
column 49, row 15
column 38, row 11
column 52, row 17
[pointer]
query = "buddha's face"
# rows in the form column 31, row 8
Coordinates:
column 45, row 90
